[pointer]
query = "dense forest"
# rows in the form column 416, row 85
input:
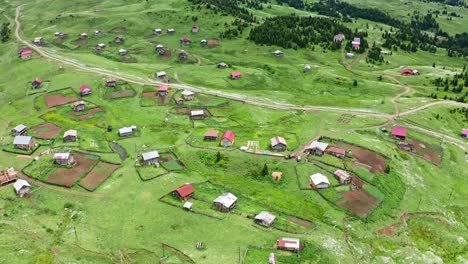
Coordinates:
column 299, row 32
column 228, row 7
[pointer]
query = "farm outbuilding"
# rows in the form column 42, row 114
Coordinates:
column 85, row 90
column 203, row 42
column 37, row 83
column 265, row 218
column 100, row 46
column 319, row 181
column 399, row 133
column 150, row 158
column 188, row 95
column 221, row 65
column 184, row 192
column 38, row 41
column 225, row 202
column 19, row 130
column 70, row 136
column 278, row 53
column 79, row 106
column 356, row 43
column 289, row 244
column 127, row 131
column 338, row 38
column 161, row 74
column 179, row 101
column 157, row 31
column 195, row 29
column 197, row 114
column 236, row 75
column 278, row 143
column 7, row 176
column 337, row 152
column 25, row 53
column 22, row 188
column 83, row 36
column 307, row 68
column 119, row 39
column 24, row 142
column 185, row 41
column 349, row 55
column 65, row 158
column 342, row 176
column 317, row 148
column 211, row 135
column 123, row 52
column 170, row 31
column 227, row 139
column 111, row 82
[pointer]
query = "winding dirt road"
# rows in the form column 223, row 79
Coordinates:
column 247, row 99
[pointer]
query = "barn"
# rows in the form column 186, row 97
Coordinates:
column 319, row 181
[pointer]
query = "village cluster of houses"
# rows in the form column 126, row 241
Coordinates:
column 408, row 72
column 21, row 141
column 21, row 187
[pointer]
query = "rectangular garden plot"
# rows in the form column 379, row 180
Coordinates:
column 98, row 175
column 68, row 176
column 46, row 131
column 375, row 162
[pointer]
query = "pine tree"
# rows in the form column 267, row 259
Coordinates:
column 265, row 170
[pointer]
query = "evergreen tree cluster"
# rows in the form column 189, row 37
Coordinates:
column 230, row 7
column 299, row 32
column 5, row 32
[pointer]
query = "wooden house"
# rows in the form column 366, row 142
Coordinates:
column 160, row 74
column 399, row 133
column 221, row 65
column 179, row 101
column 188, row 95
column 184, row 192
column 211, row 135
column 349, row 55
column 85, row 90
column 289, row 244
column 356, row 43
column 265, row 218
column 65, row 158
column 79, row 106
column 195, row 29
column 183, row 55
column 170, row 31
column 123, row 52
column 119, row 39
column 342, row 176
column 307, row 68
column 127, row 131
column 197, row 114
column 185, row 41
column 37, row 83
column 337, row 152
column 22, row 188
column 464, row 132
column 236, row 75
column 225, row 202
column 59, row 34
column 278, row 143
column 70, row 136
column 319, row 181
column 160, row 49
column 162, row 90
column 19, row 130
column 83, row 36
column 317, row 148
column 7, row 176
column 24, row 142
column 204, row 42
column 100, row 46
column 278, row 53
column 227, row 139
column 406, row 72
column 38, row 41
column 111, row 82
column 157, row 31
column 150, row 158
column 98, row 32
column 25, row 53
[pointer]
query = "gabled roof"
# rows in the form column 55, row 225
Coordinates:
column 342, row 174
column 278, row 52
column 318, row 178
column 65, row 155
column 84, row 87
column 278, row 140
column 38, row 80
column 236, row 74
column 185, row 39
column 318, row 145
column 26, row 52
column 407, row 71
column 399, row 131
column 185, row 190
column 20, row 183
column 197, row 112
column 163, row 88
column 266, row 217
column 336, row 150
column 19, row 128
column 150, row 155
column 226, row 199
column 125, row 130
column 464, row 131
column 22, row 140
column 77, row 103
column 289, row 243
column 212, row 133
column 70, row 132
column 187, row 93
column 229, row 135
column 122, row 50
column 159, row 46
column 195, row 27
column 160, row 73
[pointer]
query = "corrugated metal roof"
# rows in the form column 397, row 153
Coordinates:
column 150, row 155
column 197, row 112
column 318, row 178
column 22, row 140
column 226, row 199
column 20, row 183
column 320, row 145
column 20, row 127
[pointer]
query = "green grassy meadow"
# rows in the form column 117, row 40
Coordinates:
column 124, row 221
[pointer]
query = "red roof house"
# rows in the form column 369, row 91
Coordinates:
column 211, row 135
column 195, row 29
column 399, row 132
column 25, row 53
column 184, row 192
column 85, row 90
column 236, row 75
column 227, row 139
column 464, row 132
column 290, row 244
column 340, row 153
column 406, row 72
column 36, row 83
column 185, row 41
column 162, row 90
